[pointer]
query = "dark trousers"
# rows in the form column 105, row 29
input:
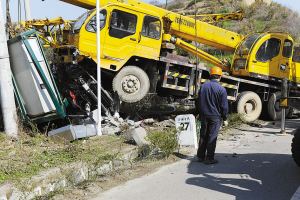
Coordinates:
column 210, row 127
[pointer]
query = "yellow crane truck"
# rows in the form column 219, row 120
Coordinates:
column 137, row 41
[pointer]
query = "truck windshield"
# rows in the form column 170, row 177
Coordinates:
column 246, row 45
column 80, row 21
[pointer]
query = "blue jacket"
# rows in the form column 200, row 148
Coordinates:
column 213, row 100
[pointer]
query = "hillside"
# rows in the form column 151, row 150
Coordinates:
column 259, row 17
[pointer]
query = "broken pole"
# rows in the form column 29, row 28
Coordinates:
column 7, row 98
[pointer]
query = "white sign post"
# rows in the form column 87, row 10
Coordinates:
column 186, row 127
column 99, row 127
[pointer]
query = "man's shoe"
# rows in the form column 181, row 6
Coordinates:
column 210, row 161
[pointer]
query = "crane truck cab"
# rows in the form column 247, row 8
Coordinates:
column 131, row 40
column 266, row 56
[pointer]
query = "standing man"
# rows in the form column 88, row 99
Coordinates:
column 213, row 109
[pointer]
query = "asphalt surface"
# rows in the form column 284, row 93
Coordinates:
column 255, row 164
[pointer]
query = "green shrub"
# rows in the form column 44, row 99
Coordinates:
column 165, row 141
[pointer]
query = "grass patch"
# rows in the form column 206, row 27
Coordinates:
column 30, row 155
column 234, row 121
column 165, row 142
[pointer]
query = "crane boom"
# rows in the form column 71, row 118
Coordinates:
column 213, row 18
column 202, row 32
column 87, row 4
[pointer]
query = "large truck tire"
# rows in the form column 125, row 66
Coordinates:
column 296, row 147
column 274, row 110
column 249, row 106
column 132, row 84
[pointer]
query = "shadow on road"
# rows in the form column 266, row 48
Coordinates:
column 248, row 176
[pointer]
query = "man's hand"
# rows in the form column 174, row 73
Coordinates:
column 225, row 123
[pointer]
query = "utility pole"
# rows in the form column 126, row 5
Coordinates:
column 7, row 98
column 27, row 10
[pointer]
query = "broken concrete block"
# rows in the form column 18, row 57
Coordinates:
column 114, row 122
column 139, row 136
column 110, row 130
column 166, row 123
column 130, row 122
column 149, row 121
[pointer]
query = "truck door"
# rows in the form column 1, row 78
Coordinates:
column 149, row 43
column 296, row 65
column 268, row 57
column 121, row 39
column 285, row 64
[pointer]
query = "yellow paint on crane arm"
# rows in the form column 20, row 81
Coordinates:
column 200, row 53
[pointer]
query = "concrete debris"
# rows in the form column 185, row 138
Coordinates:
column 133, row 131
column 130, row 122
column 109, row 130
column 166, row 123
column 138, row 135
column 112, row 125
column 149, row 121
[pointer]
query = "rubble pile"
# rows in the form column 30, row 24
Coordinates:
column 134, row 131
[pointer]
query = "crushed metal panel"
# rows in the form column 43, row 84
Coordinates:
column 33, row 80
column 74, row 132
column 30, row 84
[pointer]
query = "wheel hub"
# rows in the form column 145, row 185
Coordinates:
column 249, row 107
column 130, row 84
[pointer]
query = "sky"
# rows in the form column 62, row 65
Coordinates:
column 54, row 8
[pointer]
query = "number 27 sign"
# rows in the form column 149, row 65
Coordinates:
column 186, row 127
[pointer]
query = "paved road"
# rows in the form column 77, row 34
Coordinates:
column 255, row 165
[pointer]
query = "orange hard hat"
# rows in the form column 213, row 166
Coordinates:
column 216, row 71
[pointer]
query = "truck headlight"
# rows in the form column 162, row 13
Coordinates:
column 239, row 64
